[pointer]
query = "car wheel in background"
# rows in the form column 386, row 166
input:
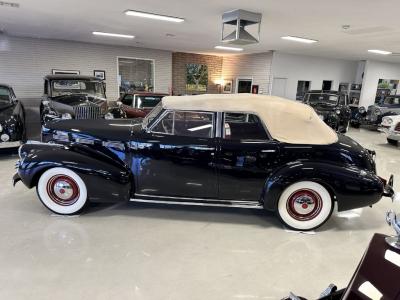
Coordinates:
column 62, row 191
column 392, row 142
column 305, row 205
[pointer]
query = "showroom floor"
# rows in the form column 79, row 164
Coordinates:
column 132, row 251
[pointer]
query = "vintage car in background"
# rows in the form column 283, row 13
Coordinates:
column 332, row 107
column 76, row 97
column 372, row 117
column 197, row 150
column 378, row 273
column 391, row 127
column 138, row 105
column 12, row 118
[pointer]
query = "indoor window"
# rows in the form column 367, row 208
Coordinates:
column 191, row 124
column 135, row 75
column 241, row 126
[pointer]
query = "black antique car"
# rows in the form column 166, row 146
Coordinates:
column 377, row 275
column 12, row 118
column 76, row 97
column 197, row 150
column 332, row 107
column 371, row 118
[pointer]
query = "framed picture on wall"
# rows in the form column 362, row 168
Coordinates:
column 228, row 87
column 59, row 71
column 100, row 74
column 196, row 78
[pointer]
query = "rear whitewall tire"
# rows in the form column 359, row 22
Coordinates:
column 65, row 204
column 310, row 216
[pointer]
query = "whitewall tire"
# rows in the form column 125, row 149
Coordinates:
column 62, row 191
column 305, row 205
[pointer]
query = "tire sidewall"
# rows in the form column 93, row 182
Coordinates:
column 319, row 220
column 41, row 189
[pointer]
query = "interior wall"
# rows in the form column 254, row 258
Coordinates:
column 25, row 61
column 181, row 59
column 254, row 66
column 310, row 68
column 375, row 70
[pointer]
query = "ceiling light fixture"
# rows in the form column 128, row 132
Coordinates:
column 125, row 36
column 382, row 52
column 141, row 14
column 228, row 48
column 298, row 39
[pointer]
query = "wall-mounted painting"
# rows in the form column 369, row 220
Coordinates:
column 196, row 78
column 228, row 86
column 100, row 74
column 62, row 72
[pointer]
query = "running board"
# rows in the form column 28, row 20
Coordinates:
column 215, row 203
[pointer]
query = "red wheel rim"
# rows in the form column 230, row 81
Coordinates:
column 63, row 190
column 304, row 205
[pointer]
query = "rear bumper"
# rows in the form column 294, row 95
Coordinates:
column 4, row 145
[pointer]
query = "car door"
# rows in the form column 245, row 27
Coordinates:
column 176, row 157
column 246, row 157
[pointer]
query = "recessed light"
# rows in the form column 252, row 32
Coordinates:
column 125, row 36
column 298, row 39
column 228, row 48
column 141, row 14
column 382, row 52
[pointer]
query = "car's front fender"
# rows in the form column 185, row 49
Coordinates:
column 106, row 178
column 348, row 185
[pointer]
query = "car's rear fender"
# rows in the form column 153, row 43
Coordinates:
column 348, row 185
column 107, row 179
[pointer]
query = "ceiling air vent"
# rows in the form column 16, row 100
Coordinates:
column 241, row 27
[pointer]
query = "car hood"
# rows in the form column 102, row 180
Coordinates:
column 6, row 111
column 79, row 99
column 382, row 109
column 112, row 130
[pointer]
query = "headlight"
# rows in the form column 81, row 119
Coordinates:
column 1, row 128
column 377, row 111
column 5, row 137
column 338, row 111
column 108, row 116
column 361, row 110
column 389, row 121
column 66, row 116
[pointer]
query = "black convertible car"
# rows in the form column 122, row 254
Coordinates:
column 76, row 97
column 216, row 150
column 12, row 118
column 332, row 107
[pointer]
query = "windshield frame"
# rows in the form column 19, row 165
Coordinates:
column 152, row 116
column 10, row 95
column 329, row 102
column 101, row 94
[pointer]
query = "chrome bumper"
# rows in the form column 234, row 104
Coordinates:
column 15, row 144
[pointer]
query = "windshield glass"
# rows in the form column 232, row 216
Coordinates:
column 147, row 101
column 4, row 95
column 73, row 86
column 152, row 114
column 322, row 99
column 391, row 101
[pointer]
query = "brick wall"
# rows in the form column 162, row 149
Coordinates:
column 179, row 62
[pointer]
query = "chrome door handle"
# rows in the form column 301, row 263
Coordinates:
column 268, row 151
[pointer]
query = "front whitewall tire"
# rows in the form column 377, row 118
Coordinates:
column 53, row 191
column 305, row 205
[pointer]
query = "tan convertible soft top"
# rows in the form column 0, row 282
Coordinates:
column 286, row 120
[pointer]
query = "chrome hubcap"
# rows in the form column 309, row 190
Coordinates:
column 304, row 205
column 63, row 190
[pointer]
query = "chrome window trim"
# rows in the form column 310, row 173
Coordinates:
column 212, row 113
column 248, row 113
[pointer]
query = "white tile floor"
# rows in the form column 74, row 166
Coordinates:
column 132, row 251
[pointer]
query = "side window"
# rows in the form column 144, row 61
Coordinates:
column 185, row 123
column 240, row 126
column 45, row 88
column 127, row 100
